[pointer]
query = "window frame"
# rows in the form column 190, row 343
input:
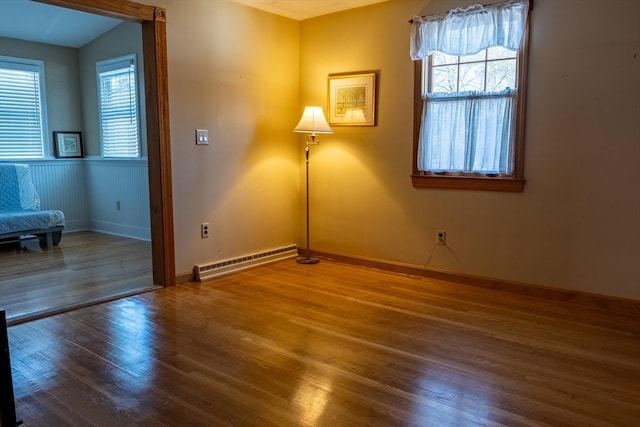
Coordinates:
column 36, row 66
column 112, row 64
column 475, row 181
column 484, row 62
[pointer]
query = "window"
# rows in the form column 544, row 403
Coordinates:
column 23, row 127
column 489, row 71
column 118, row 107
column 470, row 92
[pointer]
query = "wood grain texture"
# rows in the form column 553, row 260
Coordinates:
column 154, row 39
column 118, row 9
column 328, row 345
column 84, row 268
column 455, row 182
column 593, row 300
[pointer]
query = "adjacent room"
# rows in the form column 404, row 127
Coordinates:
column 447, row 236
column 81, row 141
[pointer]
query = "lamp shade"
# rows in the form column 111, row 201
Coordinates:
column 313, row 121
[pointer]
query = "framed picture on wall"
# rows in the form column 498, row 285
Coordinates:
column 67, row 144
column 352, row 99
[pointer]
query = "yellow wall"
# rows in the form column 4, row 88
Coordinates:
column 232, row 70
column 577, row 223
column 246, row 75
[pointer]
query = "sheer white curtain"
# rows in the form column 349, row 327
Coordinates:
column 468, row 131
column 468, row 31
column 451, row 121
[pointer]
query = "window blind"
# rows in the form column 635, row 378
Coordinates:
column 118, row 104
column 22, row 124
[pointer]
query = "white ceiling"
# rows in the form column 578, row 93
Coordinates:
column 304, row 9
column 38, row 22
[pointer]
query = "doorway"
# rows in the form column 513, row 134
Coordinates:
column 153, row 21
column 161, row 248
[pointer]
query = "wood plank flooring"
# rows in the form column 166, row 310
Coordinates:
column 85, row 267
column 328, row 345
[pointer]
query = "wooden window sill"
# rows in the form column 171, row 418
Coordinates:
column 512, row 185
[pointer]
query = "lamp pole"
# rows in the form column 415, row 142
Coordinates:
column 307, row 259
column 311, row 122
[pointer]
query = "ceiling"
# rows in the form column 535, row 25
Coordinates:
column 38, row 22
column 305, row 9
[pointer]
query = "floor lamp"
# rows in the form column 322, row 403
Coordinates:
column 312, row 122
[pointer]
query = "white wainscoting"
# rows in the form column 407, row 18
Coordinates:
column 118, row 197
column 88, row 191
column 61, row 185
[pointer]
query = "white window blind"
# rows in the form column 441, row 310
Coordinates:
column 22, row 108
column 118, row 104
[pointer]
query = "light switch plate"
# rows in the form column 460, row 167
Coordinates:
column 202, row 137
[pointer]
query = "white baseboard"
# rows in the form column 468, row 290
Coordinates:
column 140, row 233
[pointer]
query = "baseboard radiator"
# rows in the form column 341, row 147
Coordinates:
column 233, row 265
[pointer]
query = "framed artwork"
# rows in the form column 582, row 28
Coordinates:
column 67, row 144
column 352, row 99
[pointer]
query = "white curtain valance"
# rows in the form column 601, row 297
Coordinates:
column 468, row 31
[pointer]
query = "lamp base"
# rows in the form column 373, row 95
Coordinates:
column 307, row 260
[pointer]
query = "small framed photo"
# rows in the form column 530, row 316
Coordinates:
column 352, row 99
column 67, row 144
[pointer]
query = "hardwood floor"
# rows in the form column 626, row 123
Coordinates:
column 328, row 345
column 86, row 267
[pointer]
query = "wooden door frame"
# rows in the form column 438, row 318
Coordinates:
column 154, row 47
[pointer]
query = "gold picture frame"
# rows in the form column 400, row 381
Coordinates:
column 352, row 98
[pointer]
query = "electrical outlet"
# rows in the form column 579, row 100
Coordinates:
column 441, row 237
column 118, row 205
column 204, row 230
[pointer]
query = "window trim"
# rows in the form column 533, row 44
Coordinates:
column 469, row 181
column 33, row 65
column 113, row 64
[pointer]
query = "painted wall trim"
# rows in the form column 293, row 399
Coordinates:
column 182, row 278
column 122, row 230
column 97, row 160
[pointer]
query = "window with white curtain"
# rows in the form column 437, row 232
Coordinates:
column 118, row 107
column 23, row 125
column 471, row 91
